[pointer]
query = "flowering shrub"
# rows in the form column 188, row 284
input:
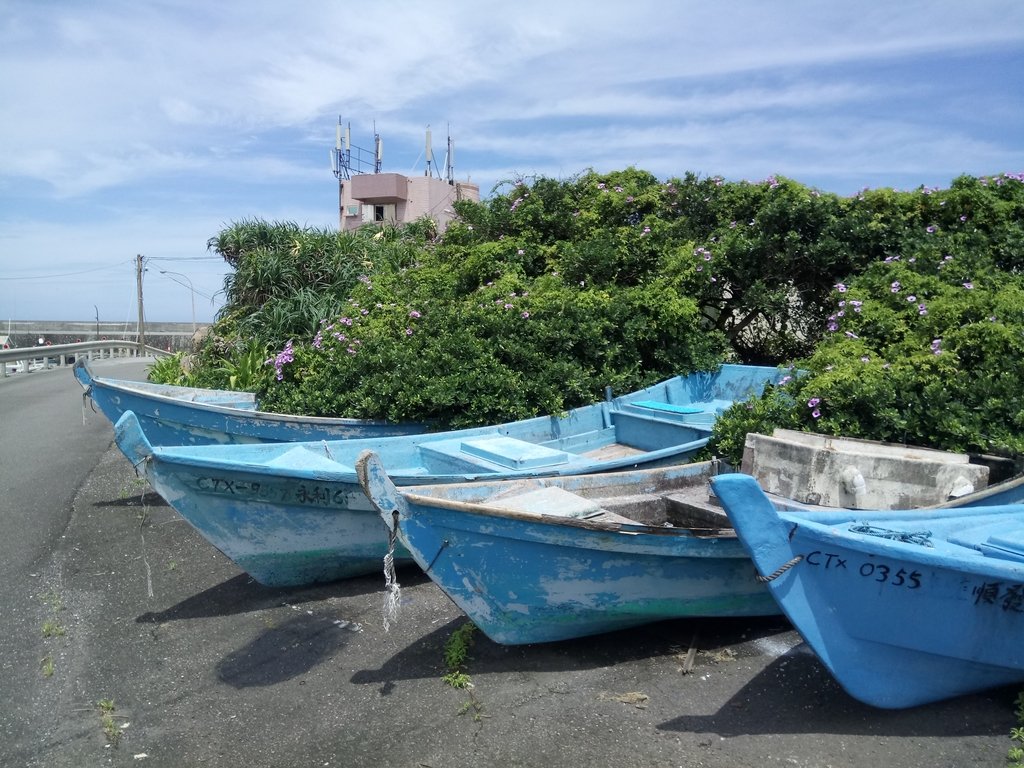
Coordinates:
column 904, row 307
column 926, row 348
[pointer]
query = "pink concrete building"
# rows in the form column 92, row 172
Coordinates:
column 391, row 198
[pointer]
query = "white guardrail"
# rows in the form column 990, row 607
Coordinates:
column 29, row 359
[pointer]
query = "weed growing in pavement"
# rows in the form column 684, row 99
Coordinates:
column 51, row 628
column 456, row 652
column 111, row 730
column 46, row 665
column 1015, row 756
column 53, row 600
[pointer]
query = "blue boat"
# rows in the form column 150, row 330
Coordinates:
column 541, row 560
column 192, row 416
column 292, row 514
column 903, row 607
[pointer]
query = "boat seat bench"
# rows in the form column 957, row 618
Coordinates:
column 491, row 453
column 557, row 502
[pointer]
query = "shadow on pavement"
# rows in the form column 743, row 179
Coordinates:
column 285, row 651
column 240, row 594
column 796, row 694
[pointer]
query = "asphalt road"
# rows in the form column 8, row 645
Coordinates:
column 109, row 596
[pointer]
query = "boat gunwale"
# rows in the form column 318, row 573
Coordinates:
column 610, row 526
column 972, row 561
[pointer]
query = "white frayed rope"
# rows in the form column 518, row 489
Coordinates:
column 392, row 589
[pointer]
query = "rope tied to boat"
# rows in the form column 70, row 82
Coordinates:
column 780, row 570
column 392, row 589
column 921, row 538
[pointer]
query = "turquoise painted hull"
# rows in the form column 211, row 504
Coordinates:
column 899, row 623
column 172, row 415
column 536, row 575
column 282, row 504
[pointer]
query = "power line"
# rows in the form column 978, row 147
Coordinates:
column 65, row 274
column 184, row 258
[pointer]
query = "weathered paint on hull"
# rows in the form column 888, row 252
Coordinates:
column 539, row 560
column 524, row 582
column 898, row 624
column 283, row 534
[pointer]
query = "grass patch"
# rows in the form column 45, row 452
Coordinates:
column 46, row 665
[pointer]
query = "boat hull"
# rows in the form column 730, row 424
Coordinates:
column 536, row 578
column 188, row 416
column 283, row 532
column 897, row 623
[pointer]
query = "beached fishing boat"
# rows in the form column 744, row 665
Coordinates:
column 172, row 415
column 292, row 514
column 903, row 607
column 539, row 560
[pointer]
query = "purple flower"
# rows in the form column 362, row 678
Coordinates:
column 911, row 298
column 415, row 315
column 816, row 414
column 969, row 285
column 408, row 331
column 895, row 286
column 922, row 309
column 832, row 326
column 936, row 346
column 281, row 359
column 524, row 315
column 813, row 402
column 840, row 287
column 931, row 229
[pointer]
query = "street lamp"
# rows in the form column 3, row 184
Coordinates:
column 191, row 289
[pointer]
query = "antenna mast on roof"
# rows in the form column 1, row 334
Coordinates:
column 378, row 150
column 341, row 164
column 429, row 154
column 449, row 159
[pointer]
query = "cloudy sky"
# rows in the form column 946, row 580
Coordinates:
column 146, row 127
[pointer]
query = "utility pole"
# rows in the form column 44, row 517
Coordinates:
column 142, row 321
